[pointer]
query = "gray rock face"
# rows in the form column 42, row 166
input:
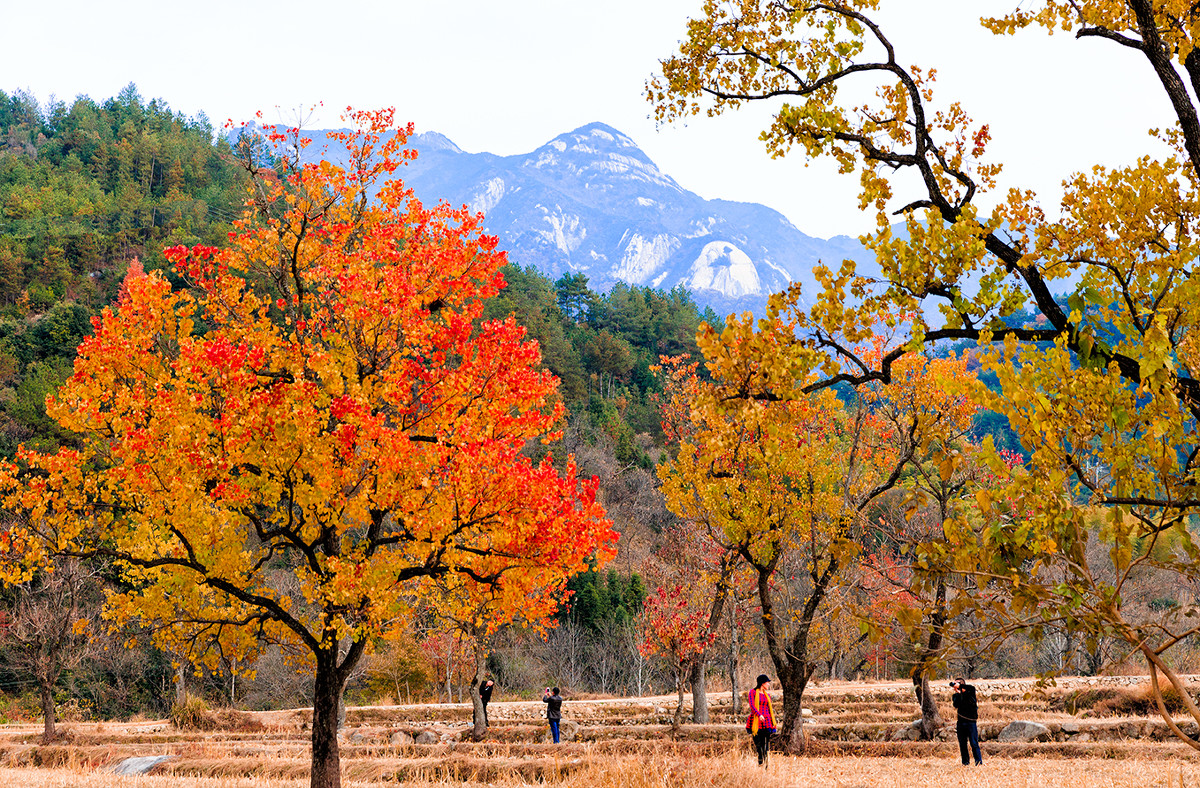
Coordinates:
column 142, row 765
column 426, row 737
column 400, row 739
column 1071, row 727
column 1023, row 731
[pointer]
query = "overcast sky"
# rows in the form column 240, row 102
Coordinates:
column 505, row 76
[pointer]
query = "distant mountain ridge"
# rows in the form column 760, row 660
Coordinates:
column 590, row 201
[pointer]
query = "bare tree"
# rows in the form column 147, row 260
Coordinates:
column 48, row 628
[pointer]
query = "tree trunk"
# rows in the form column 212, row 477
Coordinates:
column 180, row 684
column 699, row 691
column 678, row 720
column 48, row 713
column 477, row 714
column 789, row 655
column 449, row 671
column 793, row 681
column 328, row 707
column 931, row 719
column 736, row 704
column 327, row 693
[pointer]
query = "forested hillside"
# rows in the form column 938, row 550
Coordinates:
column 84, row 189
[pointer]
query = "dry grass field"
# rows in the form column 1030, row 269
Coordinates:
column 1097, row 737
column 735, row 772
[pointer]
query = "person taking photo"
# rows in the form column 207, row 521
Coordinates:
column 967, row 706
column 553, row 703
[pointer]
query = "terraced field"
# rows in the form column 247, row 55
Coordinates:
column 852, row 729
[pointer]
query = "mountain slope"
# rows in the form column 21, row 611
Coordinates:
column 590, row 201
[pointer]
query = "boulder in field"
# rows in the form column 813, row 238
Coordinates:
column 1023, row 731
column 426, row 737
column 400, row 739
column 142, row 765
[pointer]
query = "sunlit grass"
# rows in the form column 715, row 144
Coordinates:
column 734, row 771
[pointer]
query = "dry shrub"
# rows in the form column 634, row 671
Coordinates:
column 234, row 720
column 1123, row 701
column 193, row 715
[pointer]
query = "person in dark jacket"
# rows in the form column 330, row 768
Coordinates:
column 967, row 707
column 761, row 722
column 485, row 695
column 553, row 703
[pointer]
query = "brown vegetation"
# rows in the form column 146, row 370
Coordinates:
column 621, row 771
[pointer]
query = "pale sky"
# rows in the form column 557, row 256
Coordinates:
column 506, row 76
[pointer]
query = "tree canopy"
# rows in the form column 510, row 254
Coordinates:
column 1101, row 383
column 314, row 434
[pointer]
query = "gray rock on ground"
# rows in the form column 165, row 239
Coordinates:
column 1023, row 731
column 426, row 737
column 400, row 739
column 911, row 732
column 140, row 765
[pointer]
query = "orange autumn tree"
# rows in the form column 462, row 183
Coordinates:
column 301, row 444
column 695, row 551
column 475, row 612
column 942, row 477
column 676, row 629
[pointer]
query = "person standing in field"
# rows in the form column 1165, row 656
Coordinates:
column 553, row 703
column 761, row 723
column 485, row 695
column 967, row 706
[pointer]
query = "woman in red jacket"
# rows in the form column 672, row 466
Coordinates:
column 761, row 723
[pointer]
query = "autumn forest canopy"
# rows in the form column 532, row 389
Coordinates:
column 276, row 433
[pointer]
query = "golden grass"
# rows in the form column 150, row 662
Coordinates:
column 734, row 771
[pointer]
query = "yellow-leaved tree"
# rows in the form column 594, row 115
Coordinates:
column 784, row 478
column 1090, row 317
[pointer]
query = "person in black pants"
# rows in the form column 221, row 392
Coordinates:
column 553, row 710
column 761, row 722
column 967, row 707
column 485, row 695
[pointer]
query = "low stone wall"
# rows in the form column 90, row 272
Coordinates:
column 1070, row 682
column 1068, row 731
